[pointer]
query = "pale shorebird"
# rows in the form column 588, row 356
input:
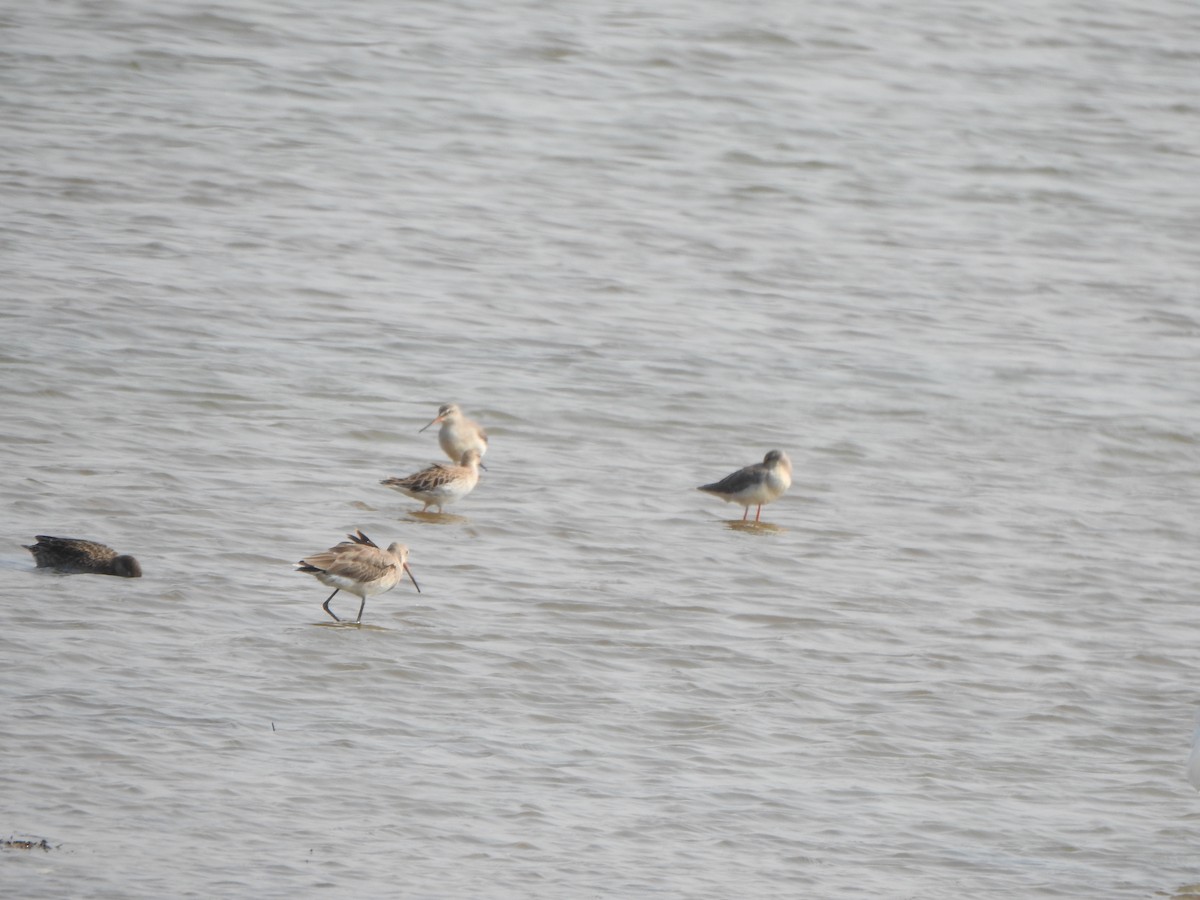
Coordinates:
column 757, row 484
column 458, row 434
column 358, row 566
column 77, row 556
column 440, row 484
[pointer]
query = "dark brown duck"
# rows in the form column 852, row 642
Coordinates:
column 76, row 556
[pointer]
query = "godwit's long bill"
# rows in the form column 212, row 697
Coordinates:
column 77, row 556
column 439, row 484
column 757, row 484
column 358, row 566
column 458, row 434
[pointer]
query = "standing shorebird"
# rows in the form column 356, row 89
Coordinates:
column 358, row 566
column 757, row 484
column 77, row 556
column 458, row 434
column 440, row 484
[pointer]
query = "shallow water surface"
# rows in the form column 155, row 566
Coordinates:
column 943, row 257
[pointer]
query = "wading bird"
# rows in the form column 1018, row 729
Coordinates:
column 358, row 566
column 757, row 484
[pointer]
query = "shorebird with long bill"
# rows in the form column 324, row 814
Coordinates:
column 458, row 434
column 358, row 566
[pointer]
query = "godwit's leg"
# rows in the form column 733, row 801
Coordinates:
column 745, row 513
column 361, row 607
column 325, row 605
column 757, row 514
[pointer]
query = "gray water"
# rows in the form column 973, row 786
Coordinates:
column 942, row 254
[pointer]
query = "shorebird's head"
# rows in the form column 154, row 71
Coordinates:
column 470, row 459
column 401, row 553
column 776, row 458
column 446, row 412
